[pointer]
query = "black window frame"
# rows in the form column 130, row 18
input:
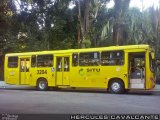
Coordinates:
column 44, row 63
column 66, row 64
column 33, row 62
column 75, row 61
column 88, row 62
column 12, row 64
column 116, row 61
column 151, row 62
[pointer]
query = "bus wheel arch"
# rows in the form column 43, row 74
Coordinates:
column 42, row 84
column 116, row 86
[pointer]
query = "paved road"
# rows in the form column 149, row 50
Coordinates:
column 22, row 100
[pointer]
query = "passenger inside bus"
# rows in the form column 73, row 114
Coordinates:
column 137, row 69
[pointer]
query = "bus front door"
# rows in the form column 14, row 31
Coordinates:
column 62, row 70
column 137, row 73
column 24, row 70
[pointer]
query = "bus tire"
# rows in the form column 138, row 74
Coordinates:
column 116, row 86
column 42, row 84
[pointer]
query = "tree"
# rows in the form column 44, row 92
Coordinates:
column 120, row 15
column 88, row 11
column 102, row 28
column 155, row 23
column 6, row 13
column 43, row 25
column 83, row 19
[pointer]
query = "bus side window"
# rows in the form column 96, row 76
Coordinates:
column 109, row 58
column 33, row 61
column 74, row 59
column 89, row 59
column 44, row 60
column 66, row 64
column 59, row 64
column 13, row 62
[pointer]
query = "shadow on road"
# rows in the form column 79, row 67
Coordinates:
column 106, row 92
column 84, row 91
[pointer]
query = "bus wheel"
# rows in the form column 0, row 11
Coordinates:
column 116, row 86
column 42, row 84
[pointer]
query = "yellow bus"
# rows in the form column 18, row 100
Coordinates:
column 115, row 68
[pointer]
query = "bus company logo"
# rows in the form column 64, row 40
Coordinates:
column 93, row 69
column 89, row 70
column 81, row 72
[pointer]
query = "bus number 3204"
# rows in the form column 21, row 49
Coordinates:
column 41, row 71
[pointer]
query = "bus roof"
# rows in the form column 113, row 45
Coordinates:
column 144, row 46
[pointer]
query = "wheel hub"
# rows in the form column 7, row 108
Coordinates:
column 115, row 86
column 42, row 85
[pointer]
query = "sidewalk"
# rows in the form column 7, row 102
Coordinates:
column 157, row 87
column 3, row 85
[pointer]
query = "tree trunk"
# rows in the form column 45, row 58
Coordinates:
column 119, row 34
column 119, row 28
column 83, row 19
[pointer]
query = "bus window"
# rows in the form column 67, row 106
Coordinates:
column 66, row 63
column 44, row 60
column 33, row 61
column 137, row 65
column 12, row 62
column 74, row 59
column 151, row 60
column 112, row 58
column 59, row 64
column 89, row 59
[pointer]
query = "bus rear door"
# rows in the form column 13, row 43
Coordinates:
column 137, row 70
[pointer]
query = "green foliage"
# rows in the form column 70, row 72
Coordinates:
column 40, row 25
column 51, row 24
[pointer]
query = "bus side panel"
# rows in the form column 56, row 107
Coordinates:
column 42, row 72
column 6, row 70
column 11, row 74
column 90, row 76
column 33, row 76
column 150, row 79
column 47, row 73
column 97, row 77
column 115, row 72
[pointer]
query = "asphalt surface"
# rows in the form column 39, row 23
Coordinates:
column 26, row 100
